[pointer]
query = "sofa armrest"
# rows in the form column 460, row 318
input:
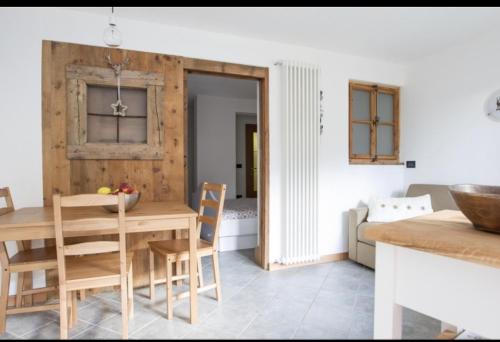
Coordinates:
column 356, row 217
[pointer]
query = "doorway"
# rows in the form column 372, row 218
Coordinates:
column 260, row 171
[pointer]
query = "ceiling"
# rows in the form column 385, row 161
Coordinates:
column 199, row 84
column 399, row 35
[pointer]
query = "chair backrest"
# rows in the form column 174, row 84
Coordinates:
column 5, row 194
column 96, row 226
column 212, row 220
column 9, row 207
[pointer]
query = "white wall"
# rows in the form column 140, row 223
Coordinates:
column 341, row 186
column 216, row 138
column 444, row 123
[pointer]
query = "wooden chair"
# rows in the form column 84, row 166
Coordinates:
column 25, row 260
column 93, row 264
column 178, row 250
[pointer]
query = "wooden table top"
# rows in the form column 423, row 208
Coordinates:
column 446, row 232
column 44, row 216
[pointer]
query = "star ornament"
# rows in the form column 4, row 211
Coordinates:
column 119, row 108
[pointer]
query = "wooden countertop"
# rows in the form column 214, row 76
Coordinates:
column 447, row 232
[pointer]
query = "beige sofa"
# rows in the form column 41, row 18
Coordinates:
column 361, row 249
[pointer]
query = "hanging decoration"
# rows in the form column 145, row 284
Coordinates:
column 119, row 108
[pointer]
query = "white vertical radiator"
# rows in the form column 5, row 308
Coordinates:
column 301, row 128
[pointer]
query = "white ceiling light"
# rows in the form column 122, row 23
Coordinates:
column 112, row 36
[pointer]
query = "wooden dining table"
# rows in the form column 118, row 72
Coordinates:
column 38, row 223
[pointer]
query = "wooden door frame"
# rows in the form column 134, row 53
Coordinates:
column 249, row 130
column 260, row 74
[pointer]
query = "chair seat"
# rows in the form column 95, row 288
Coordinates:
column 34, row 259
column 179, row 248
column 96, row 266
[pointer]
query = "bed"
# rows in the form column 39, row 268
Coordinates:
column 239, row 225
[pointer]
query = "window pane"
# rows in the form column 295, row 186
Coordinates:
column 361, row 139
column 136, row 100
column 385, row 140
column 99, row 99
column 101, row 129
column 385, row 107
column 361, row 105
column 133, row 130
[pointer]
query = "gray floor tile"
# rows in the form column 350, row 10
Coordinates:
column 21, row 324
column 230, row 320
column 142, row 317
column 264, row 328
column 100, row 311
column 51, row 331
column 327, row 301
column 205, row 307
column 165, row 329
column 364, row 305
column 8, row 336
column 342, row 301
column 324, row 317
column 309, row 332
column 97, row 333
column 207, row 333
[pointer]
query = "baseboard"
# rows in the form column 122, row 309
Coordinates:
column 323, row 259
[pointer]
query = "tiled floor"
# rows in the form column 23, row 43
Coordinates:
column 331, row 301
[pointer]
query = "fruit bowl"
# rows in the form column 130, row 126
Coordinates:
column 480, row 204
column 130, row 201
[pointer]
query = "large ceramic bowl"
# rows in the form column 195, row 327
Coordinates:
column 130, row 201
column 480, row 203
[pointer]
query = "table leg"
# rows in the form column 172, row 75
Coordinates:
column 178, row 264
column 388, row 314
column 193, row 279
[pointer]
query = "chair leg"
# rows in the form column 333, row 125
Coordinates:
column 170, row 309
column 200, row 273
column 82, row 295
column 19, row 290
column 63, row 314
column 28, row 284
column 178, row 271
column 130, row 287
column 151, row 275
column 215, row 265
column 74, row 307
column 4, row 298
column 124, row 295
column 71, row 307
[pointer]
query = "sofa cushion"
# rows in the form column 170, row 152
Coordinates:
column 361, row 231
column 440, row 195
column 398, row 208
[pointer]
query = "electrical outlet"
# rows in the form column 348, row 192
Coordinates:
column 411, row 164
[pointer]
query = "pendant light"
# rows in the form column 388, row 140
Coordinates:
column 112, row 36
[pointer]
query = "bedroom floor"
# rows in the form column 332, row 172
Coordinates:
column 329, row 301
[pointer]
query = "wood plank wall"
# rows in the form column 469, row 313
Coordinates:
column 156, row 179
